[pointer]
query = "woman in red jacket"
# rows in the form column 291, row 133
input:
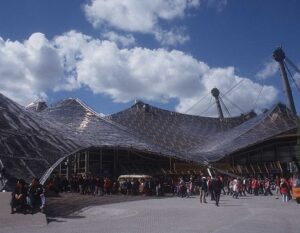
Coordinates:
column 284, row 190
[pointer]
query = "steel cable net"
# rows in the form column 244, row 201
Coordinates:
column 170, row 129
column 35, row 140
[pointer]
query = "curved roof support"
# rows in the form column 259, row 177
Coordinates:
column 47, row 174
column 50, row 170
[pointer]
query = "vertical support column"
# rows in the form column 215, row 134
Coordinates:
column 59, row 172
column 248, row 163
column 101, row 162
column 170, row 164
column 115, row 163
column 78, row 162
column 276, row 153
column 67, row 168
column 86, row 162
column 261, row 160
column 248, row 158
column 75, row 163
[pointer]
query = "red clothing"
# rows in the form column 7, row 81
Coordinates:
column 284, row 188
column 253, row 184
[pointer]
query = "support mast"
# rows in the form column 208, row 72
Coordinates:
column 279, row 56
column 215, row 92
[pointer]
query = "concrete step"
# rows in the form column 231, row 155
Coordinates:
column 17, row 220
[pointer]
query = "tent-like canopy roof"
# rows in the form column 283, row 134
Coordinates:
column 31, row 141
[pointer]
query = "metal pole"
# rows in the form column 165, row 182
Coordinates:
column 78, row 162
column 215, row 92
column 115, row 162
column 101, row 168
column 75, row 163
column 279, row 56
column 59, row 170
column 86, row 160
column 67, row 169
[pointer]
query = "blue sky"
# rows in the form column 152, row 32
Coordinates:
column 166, row 53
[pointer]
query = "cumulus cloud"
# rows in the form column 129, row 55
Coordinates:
column 140, row 16
column 29, row 69
column 171, row 37
column 74, row 60
column 243, row 98
column 123, row 40
column 270, row 68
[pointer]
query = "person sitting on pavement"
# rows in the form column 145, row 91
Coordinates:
column 18, row 200
column 36, row 195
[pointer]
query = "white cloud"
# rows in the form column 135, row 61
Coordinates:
column 123, row 40
column 270, row 68
column 29, row 69
column 135, row 15
column 171, row 37
column 218, row 4
column 296, row 75
column 140, row 16
column 244, row 97
column 73, row 60
column 297, row 79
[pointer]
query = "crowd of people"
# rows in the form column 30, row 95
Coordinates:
column 93, row 185
column 184, row 186
column 241, row 186
column 27, row 197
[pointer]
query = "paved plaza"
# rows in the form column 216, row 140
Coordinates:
column 162, row 215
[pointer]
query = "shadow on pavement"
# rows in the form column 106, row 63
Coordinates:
column 69, row 205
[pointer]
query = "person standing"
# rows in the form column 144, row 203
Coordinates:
column 223, row 181
column 216, row 188
column 277, row 185
column 284, row 190
column 209, row 188
column 267, row 188
column 190, row 187
column 182, row 187
column 235, row 188
column 203, row 190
